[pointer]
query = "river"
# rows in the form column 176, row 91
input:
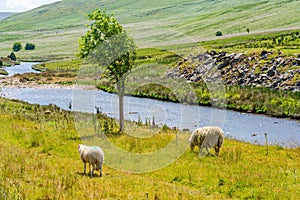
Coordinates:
column 241, row 126
column 24, row 67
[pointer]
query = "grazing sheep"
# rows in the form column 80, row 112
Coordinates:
column 92, row 155
column 207, row 137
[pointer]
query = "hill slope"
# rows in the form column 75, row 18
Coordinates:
column 57, row 26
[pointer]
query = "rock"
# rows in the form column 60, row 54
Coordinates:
column 275, row 84
column 271, row 72
column 225, row 63
column 241, row 81
column 212, row 53
column 297, row 61
column 263, row 53
column 237, row 69
column 237, row 57
column 264, row 76
column 209, row 61
column 231, row 56
column 264, row 68
column 279, row 59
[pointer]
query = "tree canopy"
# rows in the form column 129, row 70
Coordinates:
column 107, row 44
column 29, row 46
column 17, row 46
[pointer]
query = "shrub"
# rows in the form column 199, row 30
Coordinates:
column 17, row 46
column 29, row 46
column 1, row 63
column 219, row 33
column 12, row 56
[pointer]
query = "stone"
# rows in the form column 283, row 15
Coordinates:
column 263, row 53
column 264, row 68
column 225, row 63
column 271, row 72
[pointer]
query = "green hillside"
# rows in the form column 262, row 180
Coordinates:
column 57, row 26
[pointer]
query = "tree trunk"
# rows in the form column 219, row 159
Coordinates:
column 121, row 110
column 121, row 91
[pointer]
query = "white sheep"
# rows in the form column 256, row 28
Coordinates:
column 207, row 137
column 93, row 155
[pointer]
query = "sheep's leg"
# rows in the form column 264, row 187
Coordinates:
column 92, row 172
column 100, row 170
column 192, row 147
column 84, row 168
column 207, row 151
column 217, row 149
column 201, row 152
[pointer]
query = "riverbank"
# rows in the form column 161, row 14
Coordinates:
column 280, row 104
column 18, row 82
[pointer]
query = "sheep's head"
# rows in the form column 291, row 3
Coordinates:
column 80, row 147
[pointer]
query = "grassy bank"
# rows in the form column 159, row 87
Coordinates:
column 39, row 160
column 3, row 72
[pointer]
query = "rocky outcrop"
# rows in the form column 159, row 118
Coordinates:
column 264, row 69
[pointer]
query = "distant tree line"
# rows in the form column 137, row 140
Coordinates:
column 18, row 46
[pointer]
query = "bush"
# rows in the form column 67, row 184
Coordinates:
column 1, row 63
column 12, row 56
column 17, row 46
column 219, row 33
column 29, row 46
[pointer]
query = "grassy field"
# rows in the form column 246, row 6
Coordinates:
column 39, row 160
column 38, row 150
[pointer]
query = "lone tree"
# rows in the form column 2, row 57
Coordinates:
column 17, row 46
column 108, row 45
column 12, row 56
column 219, row 33
column 29, row 46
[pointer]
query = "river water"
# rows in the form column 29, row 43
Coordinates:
column 241, row 126
column 24, row 67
